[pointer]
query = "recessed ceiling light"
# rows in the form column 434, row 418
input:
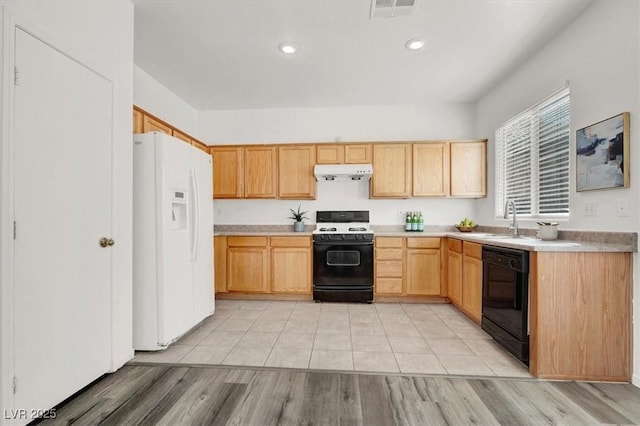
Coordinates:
column 288, row 48
column 415, row 44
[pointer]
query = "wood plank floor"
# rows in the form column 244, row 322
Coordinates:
column 195, row 395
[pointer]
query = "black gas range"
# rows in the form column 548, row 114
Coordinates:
column 343, row 257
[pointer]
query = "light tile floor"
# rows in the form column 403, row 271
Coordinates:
column 381, row 337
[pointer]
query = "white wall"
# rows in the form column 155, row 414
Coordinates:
column 372, row 123
column 150, row 95
column 342, row 196
column 599, row 54
column 100, row 34
column 369, row 123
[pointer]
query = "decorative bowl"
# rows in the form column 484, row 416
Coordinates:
column 466, row 228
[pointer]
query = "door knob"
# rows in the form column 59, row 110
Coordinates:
column 104, row 242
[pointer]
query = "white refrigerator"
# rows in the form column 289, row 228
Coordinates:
column 172, row 239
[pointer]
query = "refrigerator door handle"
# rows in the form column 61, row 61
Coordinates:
column 195, row 229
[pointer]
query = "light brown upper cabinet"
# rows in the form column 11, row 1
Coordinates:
column 137, row 121
column 182, row 136
column 430, row 170
column 330, row 154
column 295, row 172
column 228, row 171
column 357, row 153
column 260, row 177
column 391, row 170
column 200, row 145
column 469, row 169
column 152, row 125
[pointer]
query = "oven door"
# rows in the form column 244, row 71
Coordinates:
column 342, row 264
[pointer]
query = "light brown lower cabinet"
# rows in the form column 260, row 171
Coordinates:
column 464, row 277
column 291, row 265
column 257, row 264
column 423, row 266
column 247, row 264
column 580, row 315
column 220, row 263
column 389, row 266
column 472, row 280
column 408, row 266
column 454, row 271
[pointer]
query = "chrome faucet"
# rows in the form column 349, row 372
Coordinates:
column 513, row 226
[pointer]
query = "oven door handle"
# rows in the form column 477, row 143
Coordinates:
column 343, row 243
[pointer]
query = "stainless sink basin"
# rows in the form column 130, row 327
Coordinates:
column 507, row 237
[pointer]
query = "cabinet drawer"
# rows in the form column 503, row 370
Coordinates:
column 290, row 241
column 388, row 285
column 247, row 241
column 389, row 242
column 472, row 249
column 389, row 254
column 389, row 269
column 425, row 242
column 454, row 245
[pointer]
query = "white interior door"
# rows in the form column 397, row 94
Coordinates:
column 63, row 124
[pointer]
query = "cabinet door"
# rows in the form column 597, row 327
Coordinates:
column 431, row 170
column 472, row 287
column 182, row 136
column 454, row 277
column 357, row 154
column 391, row 171
column 137, row 121
column 220, row 263
column 469, row 169
column 423, row 272
column 295, row 172
column 291, row 270
column 389, row 266
column 330, row 154
column 228, row 172
column 247, row 269
column 260, row 173
column 152, row 125
column 200, row 145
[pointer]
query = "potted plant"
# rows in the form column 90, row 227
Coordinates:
column 298, row 225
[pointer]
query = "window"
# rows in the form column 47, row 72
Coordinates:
column 532, row 159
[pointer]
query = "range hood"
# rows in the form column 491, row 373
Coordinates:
column 343, row 172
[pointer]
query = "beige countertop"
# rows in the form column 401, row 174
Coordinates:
column 571, row 241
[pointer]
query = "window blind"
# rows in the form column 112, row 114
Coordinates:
column 532, row 159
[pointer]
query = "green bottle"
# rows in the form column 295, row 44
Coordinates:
column 414, row 222
column 407, row 223
column 420, row 222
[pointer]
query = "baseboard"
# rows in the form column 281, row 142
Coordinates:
column 635, row 380
column 115, row 365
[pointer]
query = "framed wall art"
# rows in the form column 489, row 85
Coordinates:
column 602, row 154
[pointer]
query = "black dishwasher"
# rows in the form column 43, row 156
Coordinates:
column 505, row 298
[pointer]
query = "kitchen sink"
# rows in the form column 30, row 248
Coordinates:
column 524, row 239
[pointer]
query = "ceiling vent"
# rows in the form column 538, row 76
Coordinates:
column 391, row 8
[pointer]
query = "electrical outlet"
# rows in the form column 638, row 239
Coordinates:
column 590, row 208
column 623, row 207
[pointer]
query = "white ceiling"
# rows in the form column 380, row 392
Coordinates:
column 219, row 54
